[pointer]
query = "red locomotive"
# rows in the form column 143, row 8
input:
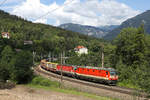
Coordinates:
column 102, row 75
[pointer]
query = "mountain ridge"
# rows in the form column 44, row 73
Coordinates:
column 98, row 32
column 143, row 18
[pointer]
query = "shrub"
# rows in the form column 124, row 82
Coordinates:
column 41, row 81
column 8, row 85
column 45, row 83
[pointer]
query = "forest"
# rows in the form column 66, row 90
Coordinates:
column 128, row 53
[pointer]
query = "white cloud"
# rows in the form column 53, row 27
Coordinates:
column 90, row 12
column 44, row 21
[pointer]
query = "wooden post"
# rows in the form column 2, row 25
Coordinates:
column 102, row 46
column 61, row 78
column 63, row 57
column 49, row 56
column 34, row 53
column 102, row 59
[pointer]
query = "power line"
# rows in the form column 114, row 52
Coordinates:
column 3, row 2
column 53, row 10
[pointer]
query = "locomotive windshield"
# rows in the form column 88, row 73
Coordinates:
column 113, row 73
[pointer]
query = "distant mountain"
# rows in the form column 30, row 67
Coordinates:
column 108, row 27
column 136, row 21
column 88, row 30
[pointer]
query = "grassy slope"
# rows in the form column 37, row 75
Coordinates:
column 128, row 85
column 40, row 82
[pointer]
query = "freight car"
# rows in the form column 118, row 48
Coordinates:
column 97, row 74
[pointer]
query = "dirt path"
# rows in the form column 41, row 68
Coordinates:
column 26, row 93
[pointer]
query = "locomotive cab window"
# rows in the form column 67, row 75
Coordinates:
column 113, row 73
column 106, row 73
column 75, row 68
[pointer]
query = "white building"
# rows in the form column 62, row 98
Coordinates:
column 81, row 50
column 5, row 35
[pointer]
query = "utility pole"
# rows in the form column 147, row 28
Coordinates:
column 41, row 56
column 34, row 53
column 52, row 57
column 63, row 57
column 102, row 59
column 102, row 46
column 49, row 56
column 61, row 78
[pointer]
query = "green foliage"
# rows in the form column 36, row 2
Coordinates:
column 38, row 80
column 128, row 84
column 85, row 60
column 45, row 38
column 41, row 81
column 22, row 72
column 132, row 57
column 7, row 54
column 4, row 73
column 16, row 67
column 5, row 63
column 8, row 85
column 131, row 46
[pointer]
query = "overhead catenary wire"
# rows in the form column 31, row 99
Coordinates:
column 54, row 10
column 2, row 3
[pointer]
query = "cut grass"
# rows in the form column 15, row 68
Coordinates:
column 40, row 82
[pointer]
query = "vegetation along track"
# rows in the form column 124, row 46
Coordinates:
column 118, row 89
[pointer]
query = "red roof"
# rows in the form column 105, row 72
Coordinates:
column 5, row 33
column 79, row 47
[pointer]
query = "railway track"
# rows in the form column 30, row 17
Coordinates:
column 117, row 89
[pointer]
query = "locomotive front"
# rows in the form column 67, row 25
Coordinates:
column 113, row 77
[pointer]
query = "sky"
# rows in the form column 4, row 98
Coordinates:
column 85, row 12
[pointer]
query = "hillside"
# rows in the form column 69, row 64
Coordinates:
column 88, row 30
column 44, row 41
column 49, row 37
column 143, row 18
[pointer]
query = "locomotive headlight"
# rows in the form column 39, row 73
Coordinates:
column 117, row 77
column 112, row 76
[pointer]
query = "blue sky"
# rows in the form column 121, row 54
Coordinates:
column 85, row 12
column 141, row 5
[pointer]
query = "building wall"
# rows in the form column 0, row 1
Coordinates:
column 83, row 51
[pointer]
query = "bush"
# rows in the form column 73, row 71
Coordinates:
column 8, row 85
column 41, row 81
column 21, row 72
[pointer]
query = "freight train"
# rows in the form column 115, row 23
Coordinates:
column 96, row 74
